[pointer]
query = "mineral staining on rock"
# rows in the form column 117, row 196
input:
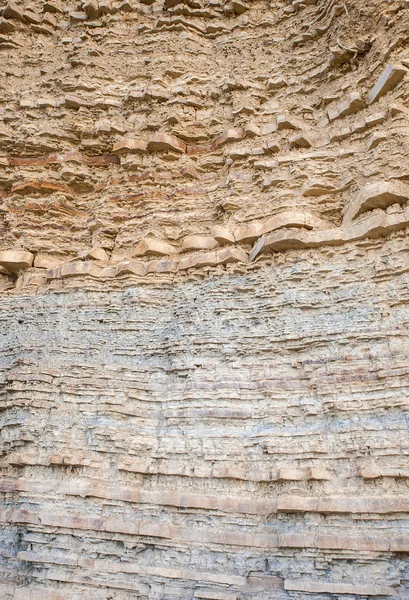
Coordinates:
column 204, row 307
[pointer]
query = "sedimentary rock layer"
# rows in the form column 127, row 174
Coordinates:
column 204, row 275
column 223, row 436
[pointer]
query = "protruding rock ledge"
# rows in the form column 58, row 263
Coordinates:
column 377, row 195
column 16, row 260
column 371, row 504
column 324, row 587
column 93, row 488
column 302, row 219
column 141, row 269
column 377, row 224
column 374, row 226
column 198, row 242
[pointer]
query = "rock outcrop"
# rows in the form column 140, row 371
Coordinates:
column 204, row 300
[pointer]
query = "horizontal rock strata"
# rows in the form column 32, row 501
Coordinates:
column 204, row 291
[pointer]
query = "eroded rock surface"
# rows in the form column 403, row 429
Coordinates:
column 204, row 275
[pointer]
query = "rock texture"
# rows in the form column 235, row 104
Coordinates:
column 205, row 300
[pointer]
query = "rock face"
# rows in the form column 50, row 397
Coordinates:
column 204, row 275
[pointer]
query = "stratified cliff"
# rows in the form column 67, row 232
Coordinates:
column 204, row 275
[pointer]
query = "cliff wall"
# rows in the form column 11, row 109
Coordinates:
column 204, row 275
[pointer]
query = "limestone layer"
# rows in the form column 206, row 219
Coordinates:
column 225, row 438
column 204, row 286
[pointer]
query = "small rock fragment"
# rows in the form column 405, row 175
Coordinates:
column 130, row 145
column 350, row 105
column 222, row 235
column 299, row 141
column 276, row 83
column 391, row 76
column 239, row 7
column 159, row 142
column 13, row 11
column 268, row 128
column 283, row 122
column 151, row 247
column 97, row 253
column 272, row 147
column 251, row 130
column 199, row 242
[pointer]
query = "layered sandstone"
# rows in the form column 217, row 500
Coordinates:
column 204, row 308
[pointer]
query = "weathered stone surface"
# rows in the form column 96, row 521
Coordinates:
column 104, row 374
column 277, row 83
column 338, row 588
column 44, row 261
column 342, row 504
column 204, row 300
column 97, row 254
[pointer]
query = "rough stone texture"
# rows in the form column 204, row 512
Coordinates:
column 204, row 367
